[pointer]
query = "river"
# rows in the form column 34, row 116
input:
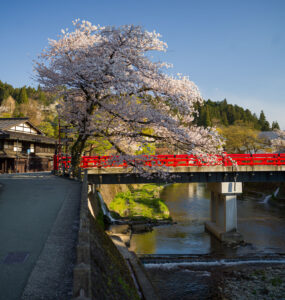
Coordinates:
column 262, row 227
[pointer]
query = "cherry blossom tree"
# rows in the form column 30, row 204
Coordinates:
column 112, row 89
column 279, row 142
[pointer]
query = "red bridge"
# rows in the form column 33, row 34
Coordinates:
column 181, row 160
column 185, row 168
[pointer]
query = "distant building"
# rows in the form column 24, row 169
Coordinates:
column 23, row 147
column 270, row 136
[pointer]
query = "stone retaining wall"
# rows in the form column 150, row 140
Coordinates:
column 82, row 269
column 100, row 271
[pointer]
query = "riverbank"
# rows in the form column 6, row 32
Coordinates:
column 138, row 206
column 205, row 278
column 250, row 282
column 272, row 193
column 139, row 202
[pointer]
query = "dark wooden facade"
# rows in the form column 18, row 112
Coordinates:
column 23, row 147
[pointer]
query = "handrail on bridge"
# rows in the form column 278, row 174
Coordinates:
column 180, row 160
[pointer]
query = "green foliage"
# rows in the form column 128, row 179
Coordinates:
column 42, row 98
column 148, row 149
column 5, row 91
column 240, row 138
column 141, row 202
column 22, row 94
column 47, row 129
column 97, row 147
column 264, row 124
column 223, row 114
column 204, row 119
column 6, row 115
column 100, row 219
column 275, row 125
column 23, row 97
column 225, row 119
column 4, row 94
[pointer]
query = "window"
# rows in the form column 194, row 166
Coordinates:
column 32, row 148
column 8, row 145
column 17, row 146
column 24, row 127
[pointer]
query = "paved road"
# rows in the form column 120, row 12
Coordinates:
column 38, row 221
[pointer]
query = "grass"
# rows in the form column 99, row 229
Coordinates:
column 142, row 202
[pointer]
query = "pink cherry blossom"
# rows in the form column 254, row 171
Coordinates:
column 110, row 88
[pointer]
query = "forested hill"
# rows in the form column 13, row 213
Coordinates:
column 221, row 113
column 21, row 95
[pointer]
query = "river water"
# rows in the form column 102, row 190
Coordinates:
column 262, row 227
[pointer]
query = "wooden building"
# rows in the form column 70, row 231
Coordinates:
column 23, row 147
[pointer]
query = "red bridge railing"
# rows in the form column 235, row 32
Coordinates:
column 180, row 160
column 61, row 162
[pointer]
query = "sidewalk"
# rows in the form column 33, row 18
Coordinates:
column 38, row 230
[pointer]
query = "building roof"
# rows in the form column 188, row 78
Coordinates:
column 7, row 123
column 269, row 135
column 7, row 131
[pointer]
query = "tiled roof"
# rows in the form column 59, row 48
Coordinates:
column 7, row 123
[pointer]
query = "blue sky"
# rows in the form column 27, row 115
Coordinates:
column 230, row 49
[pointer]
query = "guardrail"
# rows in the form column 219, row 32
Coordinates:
column 180, row 160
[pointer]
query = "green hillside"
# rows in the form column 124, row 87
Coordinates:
column 221, row 113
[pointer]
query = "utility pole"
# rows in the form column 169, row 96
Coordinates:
column 59, row 147
column 17, row 155
column 59, row 144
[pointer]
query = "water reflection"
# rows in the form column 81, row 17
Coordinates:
column 189, row 206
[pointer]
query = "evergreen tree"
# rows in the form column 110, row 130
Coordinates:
column 228, row 114
column 23, row 97
column 231, row 114
column 206, row 120
column 275, row 125
column 4, row 94
column 30, row 92
column 225, row 119
column 42, row 98
column 16, row 94
column 264, row 124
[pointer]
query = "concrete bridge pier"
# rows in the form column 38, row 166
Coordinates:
column 223, row 208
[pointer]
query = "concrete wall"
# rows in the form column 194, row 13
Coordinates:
column 100, row 271
column 223, row 209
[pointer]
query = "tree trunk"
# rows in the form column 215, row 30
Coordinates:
column 76, row 152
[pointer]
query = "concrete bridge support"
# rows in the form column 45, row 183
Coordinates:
column 223, row 208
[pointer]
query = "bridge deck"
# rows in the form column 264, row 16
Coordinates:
column 255, row 173
column 182, row 168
